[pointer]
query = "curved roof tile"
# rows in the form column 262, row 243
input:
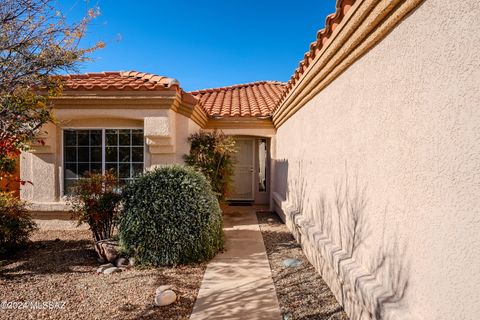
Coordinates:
column 256, row 99
column 128, row 80
column 331, row 23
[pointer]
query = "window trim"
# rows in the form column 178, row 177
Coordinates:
column 62, row 153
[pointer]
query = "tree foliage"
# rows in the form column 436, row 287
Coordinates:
column 21, row 117
column 16, row 224
column 36, row 43
column 212, row 154
column 95, row 200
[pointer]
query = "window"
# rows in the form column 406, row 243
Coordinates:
column 124, row 152
column 262, row 165
column 98, row 150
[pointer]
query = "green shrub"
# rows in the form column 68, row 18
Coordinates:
column 170, row 216
column 95, row 200
column 16, row 225
column 211, row 154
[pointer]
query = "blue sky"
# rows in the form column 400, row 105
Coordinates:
column 203, row 44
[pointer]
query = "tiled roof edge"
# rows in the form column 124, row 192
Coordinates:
column 237, row 86
column 155, row 81
column 331, row 22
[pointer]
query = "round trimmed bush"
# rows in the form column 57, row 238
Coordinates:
column 170, row 216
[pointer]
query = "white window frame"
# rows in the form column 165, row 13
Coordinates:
column 62, row 146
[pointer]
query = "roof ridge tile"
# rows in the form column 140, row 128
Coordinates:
column 119, row 80
column 323, row 35
column 235, row 86
column 254, row 99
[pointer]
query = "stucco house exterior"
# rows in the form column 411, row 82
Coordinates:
column 370, row 153
column 132, row 121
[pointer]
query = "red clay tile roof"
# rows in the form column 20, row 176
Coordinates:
column 331, row 23
column 256, row 99
column 129, row 80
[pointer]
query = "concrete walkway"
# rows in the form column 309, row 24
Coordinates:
column 237, row 283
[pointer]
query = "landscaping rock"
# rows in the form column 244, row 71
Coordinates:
column 287, row 316
column 121, row 262
column 165, row 298
column 162, row 289
column 103, row 267
column 107, row 265
column 71, row 277
column 131, row 262
column 291, row 263
column 107, row 249
column 112, row 270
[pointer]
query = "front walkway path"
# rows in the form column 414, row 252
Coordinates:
column 238, row 283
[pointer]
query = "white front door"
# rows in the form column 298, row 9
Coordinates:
column 243, row 178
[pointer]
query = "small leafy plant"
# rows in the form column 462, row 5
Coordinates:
column 211, row 153
column 16, row 225
column 95, row 200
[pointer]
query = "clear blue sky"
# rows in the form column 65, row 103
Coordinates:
column 203, row 44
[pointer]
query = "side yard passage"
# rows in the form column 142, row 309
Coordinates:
column 301, row 291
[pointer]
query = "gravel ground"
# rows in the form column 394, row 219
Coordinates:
column 301, row 291
column 60, row 266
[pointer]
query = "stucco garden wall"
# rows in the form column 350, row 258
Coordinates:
column 378, row 176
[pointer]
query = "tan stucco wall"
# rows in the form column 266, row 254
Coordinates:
column 401, row 129
column 185, row 127
column 253, row 132
column 40, row 168
column 166, row 142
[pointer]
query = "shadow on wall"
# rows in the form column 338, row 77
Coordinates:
column 280, row 172
column 369, row 283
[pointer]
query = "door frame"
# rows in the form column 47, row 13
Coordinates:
column 259, row 197
column 262, row 197
column 253, row 178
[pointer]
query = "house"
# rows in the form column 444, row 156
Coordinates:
column 132, row 121
column 370, row 152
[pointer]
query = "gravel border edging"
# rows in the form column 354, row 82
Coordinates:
column 301, row 291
